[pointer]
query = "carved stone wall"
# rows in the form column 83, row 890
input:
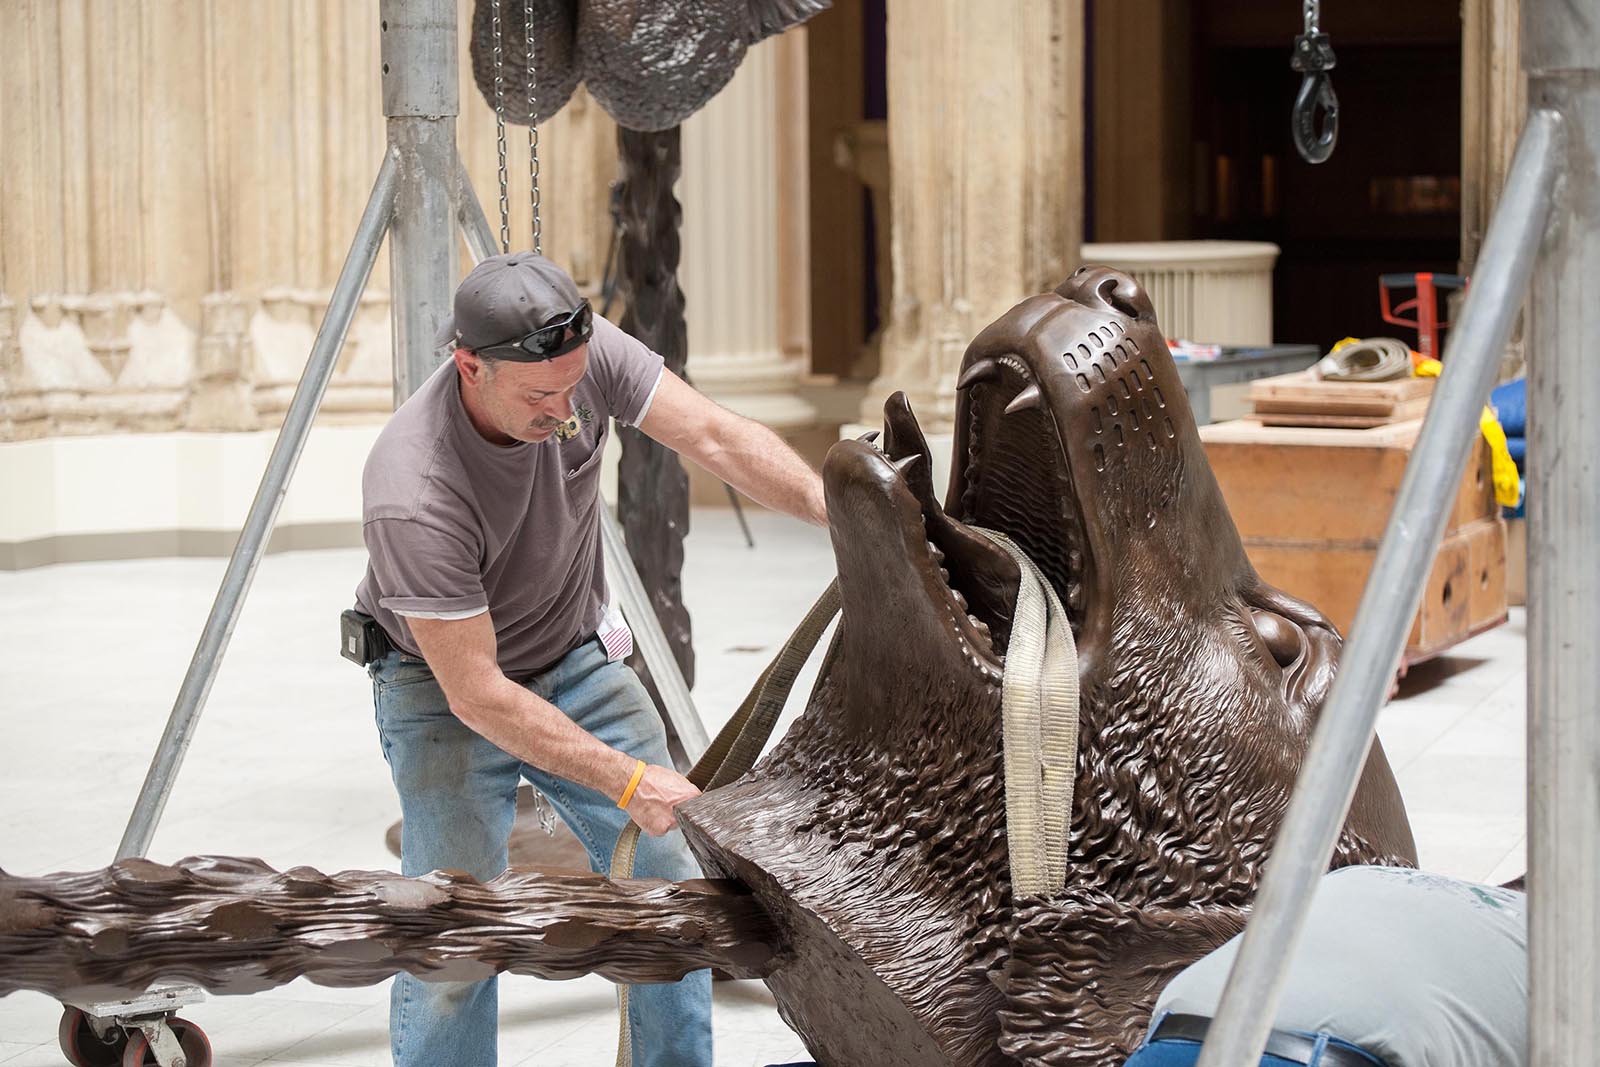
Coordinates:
column 181, row 187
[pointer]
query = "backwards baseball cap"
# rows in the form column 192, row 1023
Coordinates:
column 507, row 297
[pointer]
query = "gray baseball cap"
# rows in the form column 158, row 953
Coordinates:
column 507, row 297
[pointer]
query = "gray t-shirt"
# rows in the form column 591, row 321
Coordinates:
column 1416, row 968
column 455, row 525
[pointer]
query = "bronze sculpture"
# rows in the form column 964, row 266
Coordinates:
column 867, row 854
column 878, row 822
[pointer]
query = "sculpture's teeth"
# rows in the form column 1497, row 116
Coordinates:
column 1028, row 398
column 960, row 600
column 904, row 463
column 982, row 370
column 870, row 437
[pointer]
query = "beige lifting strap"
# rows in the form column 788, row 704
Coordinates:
column 1039, row 710
column 734, row 751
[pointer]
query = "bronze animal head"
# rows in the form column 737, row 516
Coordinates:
column 875, row 833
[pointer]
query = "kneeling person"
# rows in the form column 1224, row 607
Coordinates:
column 1396, row 968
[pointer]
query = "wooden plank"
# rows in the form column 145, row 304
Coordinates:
column 1486, row 545
column 1305, row 387
column 1405, row 411
column 1243, row 431
column 1444, row 617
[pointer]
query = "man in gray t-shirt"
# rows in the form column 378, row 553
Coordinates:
column 480, row 511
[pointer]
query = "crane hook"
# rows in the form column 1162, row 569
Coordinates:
column 1313, row 57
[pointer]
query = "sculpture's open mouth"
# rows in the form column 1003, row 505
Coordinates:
column 1074, row 438
column 1017, row 483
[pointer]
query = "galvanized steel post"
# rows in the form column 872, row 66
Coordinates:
column 1561, row 54
column 252, row 543
column 1377, row 636
column 421, row 100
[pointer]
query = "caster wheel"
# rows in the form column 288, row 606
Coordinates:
column 196, row 1046
column 83, row 1047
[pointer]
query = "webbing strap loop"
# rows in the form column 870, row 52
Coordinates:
column 1039, row 710
column 734, row 751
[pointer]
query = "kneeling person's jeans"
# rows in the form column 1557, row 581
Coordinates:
column 1182, row 1052
column 458, row 800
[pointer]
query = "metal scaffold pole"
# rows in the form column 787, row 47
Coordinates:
column 263, row 513
column 421, row 99
column 1561, row 54
column 1343, row 735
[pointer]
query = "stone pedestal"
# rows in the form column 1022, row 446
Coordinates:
column 986, row 162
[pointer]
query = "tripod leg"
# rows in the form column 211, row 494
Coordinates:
column 258, row 524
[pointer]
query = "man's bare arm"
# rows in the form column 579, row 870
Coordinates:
column 461, row 654
column 741, row 452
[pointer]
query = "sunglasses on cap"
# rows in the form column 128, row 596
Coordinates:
column 548, row 341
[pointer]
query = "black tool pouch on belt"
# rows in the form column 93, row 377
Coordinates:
column 361, row 639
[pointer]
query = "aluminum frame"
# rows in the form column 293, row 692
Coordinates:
column 252, row 543
column 1546, row 227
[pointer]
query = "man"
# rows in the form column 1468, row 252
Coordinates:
column 481, row 517
column 1396, row 968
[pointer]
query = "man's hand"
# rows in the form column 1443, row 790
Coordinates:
column 659, row 792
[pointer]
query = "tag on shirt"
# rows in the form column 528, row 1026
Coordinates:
column 615, row 635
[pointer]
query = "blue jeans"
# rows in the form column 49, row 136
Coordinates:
column 1178, row 1052
column 458, row 799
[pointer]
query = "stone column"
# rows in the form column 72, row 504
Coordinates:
column 745, row 239
column 986, row 161
column 1493, row 106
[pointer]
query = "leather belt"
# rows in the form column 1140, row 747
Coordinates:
column 1285, row 1044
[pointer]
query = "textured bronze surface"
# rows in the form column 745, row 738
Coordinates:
column 650, row 65
column 875, row 831
column 652, row 486
column 238, row 926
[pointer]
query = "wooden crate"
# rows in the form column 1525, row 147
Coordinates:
column 1312, row 505
column 1466, row 592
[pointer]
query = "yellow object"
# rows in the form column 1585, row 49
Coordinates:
column 1507, row 483
column 638, row 772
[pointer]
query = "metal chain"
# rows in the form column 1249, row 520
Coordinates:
column 533, row 130
column 500, row 132
column 1313, row 14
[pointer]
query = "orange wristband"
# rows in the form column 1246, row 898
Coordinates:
column 633, row 783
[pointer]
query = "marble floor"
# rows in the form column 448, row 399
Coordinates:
column 285, row 765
